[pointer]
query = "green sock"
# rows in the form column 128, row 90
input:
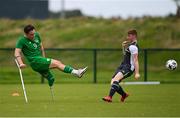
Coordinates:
column 68, row 69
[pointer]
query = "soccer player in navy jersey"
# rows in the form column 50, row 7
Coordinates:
column 129, row 65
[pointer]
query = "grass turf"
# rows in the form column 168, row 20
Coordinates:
column 85, row 100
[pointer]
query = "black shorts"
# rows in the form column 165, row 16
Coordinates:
column 125, row 70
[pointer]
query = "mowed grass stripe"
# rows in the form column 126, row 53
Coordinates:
column 85, row 100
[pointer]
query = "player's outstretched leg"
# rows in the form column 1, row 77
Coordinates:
column 80, row 72
column 67, row 69
column 123, row 94
column 114, row 88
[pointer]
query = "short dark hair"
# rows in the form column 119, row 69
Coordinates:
column 132, row 31
column 28, row 28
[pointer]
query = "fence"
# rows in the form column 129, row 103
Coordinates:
column 101, row 62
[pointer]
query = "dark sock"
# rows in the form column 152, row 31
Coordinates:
column 121, row 91
column 114, row 88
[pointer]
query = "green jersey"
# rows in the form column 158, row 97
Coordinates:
column 32, row 51
column 30, row 48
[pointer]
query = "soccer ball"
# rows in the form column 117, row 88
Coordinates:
column 171, row 64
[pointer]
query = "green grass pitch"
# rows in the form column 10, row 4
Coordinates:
column 84, row 100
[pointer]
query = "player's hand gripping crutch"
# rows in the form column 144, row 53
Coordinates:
column 20, row 73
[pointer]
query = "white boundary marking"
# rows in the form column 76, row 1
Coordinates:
column 141, row 83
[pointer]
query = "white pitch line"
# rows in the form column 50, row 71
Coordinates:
column 141, row 83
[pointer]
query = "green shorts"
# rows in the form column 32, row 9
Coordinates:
column 40, row 64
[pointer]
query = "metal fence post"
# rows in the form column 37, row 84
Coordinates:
column 145, row 64
column 95, row 66
column 42, row 80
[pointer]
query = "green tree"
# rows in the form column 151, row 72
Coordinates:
column 178, row 7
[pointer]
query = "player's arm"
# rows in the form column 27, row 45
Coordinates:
column 136, row 66
column 42, row 50
column 134, row 51
column 41, row 45
column 17, row 54
column 124, row 45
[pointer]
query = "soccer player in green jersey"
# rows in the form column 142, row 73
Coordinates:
column 31, row 46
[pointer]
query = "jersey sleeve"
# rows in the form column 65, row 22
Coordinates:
column 19, row 43
column 133, row 49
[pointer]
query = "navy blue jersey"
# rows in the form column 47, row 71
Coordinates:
column 127, row 65
column 128, row 56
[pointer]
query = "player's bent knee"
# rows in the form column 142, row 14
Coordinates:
column 119, row 76
column 56, row 64
column 112, row 81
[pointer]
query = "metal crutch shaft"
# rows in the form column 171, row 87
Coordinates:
column 20, row 73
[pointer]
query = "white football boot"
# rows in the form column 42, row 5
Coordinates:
column 81, row 72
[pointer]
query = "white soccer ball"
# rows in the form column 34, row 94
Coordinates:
column 171, row 64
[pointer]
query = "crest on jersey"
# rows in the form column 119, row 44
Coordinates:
column 34, row 45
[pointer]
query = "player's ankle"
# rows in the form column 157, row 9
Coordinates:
column 74, row 72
